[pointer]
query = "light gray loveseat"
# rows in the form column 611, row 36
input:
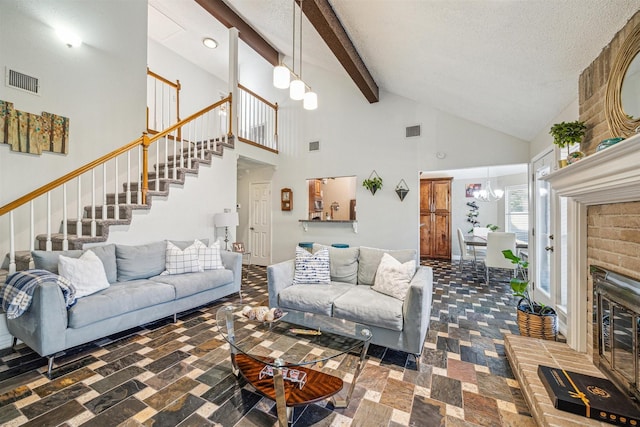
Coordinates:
column 137, row 294
column 396, row 324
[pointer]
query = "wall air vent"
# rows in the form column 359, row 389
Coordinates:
column 411, row 131
column 22, row 81
column 314, row 146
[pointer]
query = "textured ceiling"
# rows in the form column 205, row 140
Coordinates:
column 511, row 65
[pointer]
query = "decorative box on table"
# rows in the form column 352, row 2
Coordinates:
column 589, row 396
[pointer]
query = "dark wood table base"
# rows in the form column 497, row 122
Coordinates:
column 318, row 385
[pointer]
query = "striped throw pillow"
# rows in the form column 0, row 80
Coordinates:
column 311, row 268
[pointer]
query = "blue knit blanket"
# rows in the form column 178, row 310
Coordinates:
column 17, row 292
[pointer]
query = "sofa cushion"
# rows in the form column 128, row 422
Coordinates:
column 48, row 260
column 311, row 268
column 393, row 278
column 191, row 283
column 140, row 262
column 362, row 304
column 118, row 299
column 179, row 261
column 343, row 263
column 312, row 298
column 370, row 259
column 86, row 273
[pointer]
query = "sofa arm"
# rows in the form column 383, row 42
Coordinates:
column 417, row 309
column 279, row 277
column 43, row 326
column 233, row 261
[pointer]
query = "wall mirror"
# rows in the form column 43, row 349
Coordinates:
column 622, row 108
column 332, row 198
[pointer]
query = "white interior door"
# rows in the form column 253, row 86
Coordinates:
column 542, row 264
column 260, row 223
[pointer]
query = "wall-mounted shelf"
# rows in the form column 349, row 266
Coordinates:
column 305, row 223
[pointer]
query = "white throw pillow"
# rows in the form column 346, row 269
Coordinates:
column 312, row 268
column 86, row 273
column 393, row 277
column 180, row 261
column 209, row 257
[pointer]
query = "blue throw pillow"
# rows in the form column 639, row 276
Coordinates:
column 312, row 268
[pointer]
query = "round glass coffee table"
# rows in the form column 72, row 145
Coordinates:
column 279, row 358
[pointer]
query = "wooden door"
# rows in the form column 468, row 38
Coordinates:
column 441, row 196
column 435, row 219
column 441, row 236
column 425, row 236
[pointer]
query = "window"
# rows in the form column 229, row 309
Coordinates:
column 516, row 211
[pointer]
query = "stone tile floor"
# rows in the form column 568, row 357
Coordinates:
column 166, row 374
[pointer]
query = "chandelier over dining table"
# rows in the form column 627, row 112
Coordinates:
column 285, row 78
column 488, row 194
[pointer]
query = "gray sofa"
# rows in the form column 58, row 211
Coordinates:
column 396, row 324
column 137, row 294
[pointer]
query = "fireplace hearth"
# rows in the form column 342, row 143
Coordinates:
column 616, row 318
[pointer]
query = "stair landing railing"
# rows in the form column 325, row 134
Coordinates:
column 257, row 120
column 171, row 150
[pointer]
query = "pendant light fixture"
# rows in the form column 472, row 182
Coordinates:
column 488, row 194
column 297, row 87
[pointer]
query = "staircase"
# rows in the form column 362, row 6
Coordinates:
column 179, row 151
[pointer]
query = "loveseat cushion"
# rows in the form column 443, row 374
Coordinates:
column 343, row 263
column 140, row 262
column 118, row 299
column 311, row 297
column 369, row 260
column 191, row 283
column 48, row 260
column 362, row 304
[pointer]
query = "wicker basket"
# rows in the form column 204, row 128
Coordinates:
column 544, row 326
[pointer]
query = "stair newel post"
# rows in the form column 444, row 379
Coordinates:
column 128, row 196
column 12, row 245
column 65, row 231
column 93, row 202
column 145, row 167
column 79, row 220
column 48, row 245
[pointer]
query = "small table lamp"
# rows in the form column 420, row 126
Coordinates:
column 226, row 220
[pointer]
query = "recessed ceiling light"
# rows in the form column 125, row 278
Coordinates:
column 209, row 42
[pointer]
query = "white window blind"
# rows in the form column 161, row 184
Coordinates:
column 517, row 211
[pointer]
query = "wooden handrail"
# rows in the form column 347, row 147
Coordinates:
column 144, row 140
column 162, row 79
column 246, row 89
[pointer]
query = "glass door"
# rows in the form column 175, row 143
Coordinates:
column 543, row 267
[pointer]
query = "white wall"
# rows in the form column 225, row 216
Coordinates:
column 99, row 86
column 357, row 137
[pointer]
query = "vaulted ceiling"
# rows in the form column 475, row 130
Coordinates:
column 510, row 65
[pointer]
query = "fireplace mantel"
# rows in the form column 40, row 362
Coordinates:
column 608, row 176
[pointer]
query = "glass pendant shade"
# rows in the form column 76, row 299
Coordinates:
column 281, row 77
column 310, row 101
column 296, row 90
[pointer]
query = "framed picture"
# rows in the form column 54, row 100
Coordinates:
column 238, row 247
column 472, row 188
column 286, row 199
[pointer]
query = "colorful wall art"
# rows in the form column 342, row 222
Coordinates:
column 33, row 133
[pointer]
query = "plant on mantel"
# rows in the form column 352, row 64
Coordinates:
column 566, row 134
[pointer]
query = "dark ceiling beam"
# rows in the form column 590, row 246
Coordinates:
column 328, row 25
column 230, row 19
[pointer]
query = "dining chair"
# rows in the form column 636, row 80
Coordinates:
column 464, row 251
column 496, row 243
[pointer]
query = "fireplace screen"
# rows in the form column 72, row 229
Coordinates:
column 617, row 317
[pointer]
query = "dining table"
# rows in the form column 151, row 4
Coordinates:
column 474, row 241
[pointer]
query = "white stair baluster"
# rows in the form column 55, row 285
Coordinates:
column 189, row 140
column 128, row 196
column 116, row 207
column 65, row 231
column 93, row 202
column 32, row 232
column 48, row 245
column 104, row 191
column 139, row 195
column 12, row 245
column 175, row 159
column 166, row 157
column 79, row 220
column 157, row 171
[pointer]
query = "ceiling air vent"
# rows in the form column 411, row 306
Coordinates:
column 22, row 81
column 411, row 131
column 314, row 146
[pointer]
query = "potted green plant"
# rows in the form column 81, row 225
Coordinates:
column 535, row 319
column 492, row 227
column 372, row 184
column 566, row 134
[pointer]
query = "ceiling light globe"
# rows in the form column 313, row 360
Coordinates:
column 296, row 90
column 281, row 77
column 310, row 101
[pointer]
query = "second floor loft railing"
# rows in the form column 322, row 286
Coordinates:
column 257, row 120
column 99, row 192
column 163, row 102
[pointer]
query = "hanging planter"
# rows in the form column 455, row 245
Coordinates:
column 373, row 183
column 402, row 189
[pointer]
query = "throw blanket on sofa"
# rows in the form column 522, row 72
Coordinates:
column 19, row 287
